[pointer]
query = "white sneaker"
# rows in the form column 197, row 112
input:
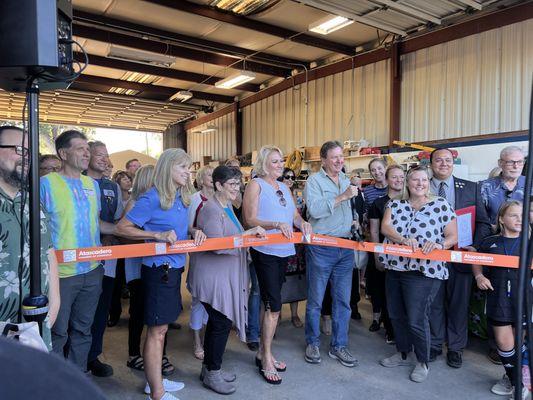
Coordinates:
column 168, row 385
column 503, row 387
column 166, row 396
column 526, row 394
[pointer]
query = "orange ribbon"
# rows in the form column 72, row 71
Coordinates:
column 233, row 242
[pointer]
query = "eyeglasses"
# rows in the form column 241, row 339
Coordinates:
column 511, row 163
column 166, row 269
column 282, row 200
column 289, row 177
column 233, row 184
column 21, row 151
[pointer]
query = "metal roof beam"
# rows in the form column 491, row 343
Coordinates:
column 143, row 87
column 258, row 26
column 155, row 46
column 158, row 71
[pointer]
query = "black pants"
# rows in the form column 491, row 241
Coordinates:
column 136, row 320
column 410, row 295
column 216, row 336
column 100, row 318
column 449, row 312
column 115, row 309
column 378, row 295
column 354, row 298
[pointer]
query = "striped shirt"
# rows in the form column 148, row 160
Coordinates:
column 73, row 207
column 371, row 193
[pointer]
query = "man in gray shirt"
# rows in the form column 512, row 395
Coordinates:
column 327, row 196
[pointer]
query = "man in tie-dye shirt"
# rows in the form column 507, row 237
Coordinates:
column 72, row 202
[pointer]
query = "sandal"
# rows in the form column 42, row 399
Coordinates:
column 137, row 363
column 198, row 353
column 264, row 373
column 166, row 367
column 297, row 322
column 279, row 365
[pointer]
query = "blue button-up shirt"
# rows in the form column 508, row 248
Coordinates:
column 319, row 194
column 494, row 193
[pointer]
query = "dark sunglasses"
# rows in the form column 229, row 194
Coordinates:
column 289, row 177
column 282, row 200
column 166, row 269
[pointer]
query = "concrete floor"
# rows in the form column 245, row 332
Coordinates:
column 326, row 381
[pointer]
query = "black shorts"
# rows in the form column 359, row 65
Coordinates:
column 162, row 298
column 270, row 272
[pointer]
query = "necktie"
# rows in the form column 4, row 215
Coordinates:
column 442, row 190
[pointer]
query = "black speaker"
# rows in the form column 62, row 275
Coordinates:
column 35, row 43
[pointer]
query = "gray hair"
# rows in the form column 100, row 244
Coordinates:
column 94, row 144
column 510, row 149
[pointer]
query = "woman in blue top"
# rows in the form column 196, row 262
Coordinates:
column 269, row 204
column 160, row 215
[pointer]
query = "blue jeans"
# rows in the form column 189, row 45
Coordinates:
column 409, row 299
column 335, row 265
column 254, row 308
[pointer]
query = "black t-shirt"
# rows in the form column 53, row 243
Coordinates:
column 501, row 301
column 377, row 210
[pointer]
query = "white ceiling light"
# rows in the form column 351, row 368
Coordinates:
column 146, row 57
column 182, row 95
column 235, row 80
column 329, row 24
column 209, row 129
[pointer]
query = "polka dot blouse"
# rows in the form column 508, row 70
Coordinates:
column 427, row 223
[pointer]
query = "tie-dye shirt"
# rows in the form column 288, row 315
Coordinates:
column 73, row 207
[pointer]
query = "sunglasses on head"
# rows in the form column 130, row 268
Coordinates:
column 282, row 200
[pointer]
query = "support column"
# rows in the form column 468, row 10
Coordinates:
column 237, row 115
column 395, row 93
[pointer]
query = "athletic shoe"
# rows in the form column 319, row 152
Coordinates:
column 396, row 360
column 343, row 356
column 503, row 387
column 420, row 372
column 168, row 385
column 312, row 354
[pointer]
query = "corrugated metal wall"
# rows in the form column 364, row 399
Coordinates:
column 347, row 105
column 220, row 145
column 477, row 85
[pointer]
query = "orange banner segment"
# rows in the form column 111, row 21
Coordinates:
column 188, row 246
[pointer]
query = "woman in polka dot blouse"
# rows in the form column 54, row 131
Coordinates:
column 420, row 221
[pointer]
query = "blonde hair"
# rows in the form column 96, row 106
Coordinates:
column 406, row 195
column 201, row 174
column 144, row 180
column 163, row 181
column 262, row 157
column 498, row 227
column 494, row 172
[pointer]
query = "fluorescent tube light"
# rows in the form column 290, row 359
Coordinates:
column 182, row 95
column 329, row 24
column 209, row 129
column 235, row 80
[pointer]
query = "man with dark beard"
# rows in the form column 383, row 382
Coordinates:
column 14, row 262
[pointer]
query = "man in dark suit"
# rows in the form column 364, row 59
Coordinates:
column 449, row 311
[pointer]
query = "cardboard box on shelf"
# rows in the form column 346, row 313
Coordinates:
column 312, row 153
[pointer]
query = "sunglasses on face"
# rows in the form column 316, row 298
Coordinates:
column 289, row 177
column 282, row 200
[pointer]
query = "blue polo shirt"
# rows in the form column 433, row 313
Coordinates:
column 148, row 215
column 494, row 193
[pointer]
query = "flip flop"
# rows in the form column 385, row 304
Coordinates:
column 297, row 322
column 137, row 363
column 166, row 367
column 277, row 365
column 264, row 374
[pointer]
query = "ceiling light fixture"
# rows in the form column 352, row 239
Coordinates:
column 182, row 95
column 209, row 129
column 235, row 80
column 329, row 24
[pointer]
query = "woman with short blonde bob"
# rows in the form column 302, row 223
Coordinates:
column 160, row 215
column 423, row 222
column 270, row 205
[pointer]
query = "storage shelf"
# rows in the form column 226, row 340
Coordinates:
column 348, row 157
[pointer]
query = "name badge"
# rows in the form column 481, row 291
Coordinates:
column 109, row 193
